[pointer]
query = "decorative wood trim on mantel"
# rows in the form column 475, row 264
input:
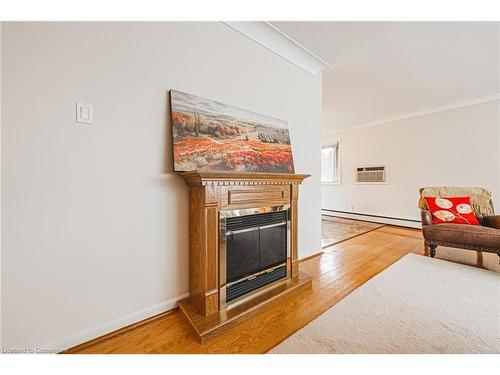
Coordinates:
column 196, row 178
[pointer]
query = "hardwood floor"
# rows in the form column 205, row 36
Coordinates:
column 337, row 229
column 340, row 270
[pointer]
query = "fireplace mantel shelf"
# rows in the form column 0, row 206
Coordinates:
column 241, row 178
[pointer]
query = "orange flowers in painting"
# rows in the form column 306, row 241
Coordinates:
column 233, row 155
column 210, row 136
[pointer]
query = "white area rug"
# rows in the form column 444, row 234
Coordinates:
column 418, row 305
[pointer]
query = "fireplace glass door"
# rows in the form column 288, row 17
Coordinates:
column 272, row 244
column 255, row 251
column 243, row 258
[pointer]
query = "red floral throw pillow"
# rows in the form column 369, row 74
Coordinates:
column 451, row 210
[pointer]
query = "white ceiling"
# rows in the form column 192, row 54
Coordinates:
column 382, row 70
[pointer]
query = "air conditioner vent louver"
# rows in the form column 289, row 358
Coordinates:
column 370, row 174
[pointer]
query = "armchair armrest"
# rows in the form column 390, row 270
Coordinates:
column 492, row 221
column 426, row 217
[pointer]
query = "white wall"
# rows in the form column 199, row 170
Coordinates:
column 95, row 225
column 0, row 184
column 456, row 147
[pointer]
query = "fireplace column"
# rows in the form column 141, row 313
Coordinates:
column 203, row 244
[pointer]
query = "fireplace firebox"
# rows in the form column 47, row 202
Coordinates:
column 253, row 250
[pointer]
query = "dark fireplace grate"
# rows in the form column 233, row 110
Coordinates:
column 255, row 220
column 238, row 289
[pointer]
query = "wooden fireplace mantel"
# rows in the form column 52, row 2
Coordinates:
column 241, row 178
column 209, row 194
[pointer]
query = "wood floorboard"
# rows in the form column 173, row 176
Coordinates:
column 337, row 229
column 336, row 273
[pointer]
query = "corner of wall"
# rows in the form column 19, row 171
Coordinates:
column 0, row 184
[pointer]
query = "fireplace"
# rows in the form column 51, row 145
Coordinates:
column 253, row 250
column 243, row 247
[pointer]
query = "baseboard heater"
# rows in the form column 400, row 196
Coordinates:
column 370, row 215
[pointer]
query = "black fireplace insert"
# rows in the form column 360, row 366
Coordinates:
column 255, row 247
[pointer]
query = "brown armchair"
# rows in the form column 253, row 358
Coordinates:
column 472, row 237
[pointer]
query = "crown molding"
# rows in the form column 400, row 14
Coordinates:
column 403, row 116
column 276, row 41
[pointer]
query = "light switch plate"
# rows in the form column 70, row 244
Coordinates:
column 84, row 113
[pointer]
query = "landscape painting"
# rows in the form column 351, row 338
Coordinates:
column 212, row 136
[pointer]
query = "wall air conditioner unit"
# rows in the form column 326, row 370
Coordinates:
column 371, row 175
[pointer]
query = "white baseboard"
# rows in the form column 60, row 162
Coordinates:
column 108, row 327
column 382, row 220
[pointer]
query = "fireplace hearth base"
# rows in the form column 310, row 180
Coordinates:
column 211, row 193
column 207, row 327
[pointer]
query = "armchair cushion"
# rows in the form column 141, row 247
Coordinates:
column 470, row 236
column 451, row 210
column 480, row 198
